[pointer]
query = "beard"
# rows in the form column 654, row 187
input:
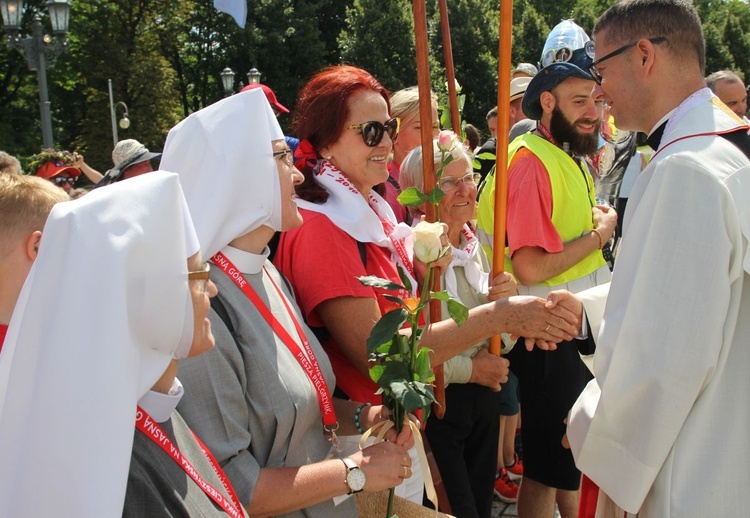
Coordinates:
column 566, row 132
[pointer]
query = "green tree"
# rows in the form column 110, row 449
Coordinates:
column 379, row 38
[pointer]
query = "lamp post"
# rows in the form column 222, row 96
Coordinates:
column 227, row 80
column 253, row 76
column 39, row 49
column 124, row 122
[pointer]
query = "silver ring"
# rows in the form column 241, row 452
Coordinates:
column 546, row 328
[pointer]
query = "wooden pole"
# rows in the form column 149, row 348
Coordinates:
column 428, row 165
column 449, row 70
column 501, row 166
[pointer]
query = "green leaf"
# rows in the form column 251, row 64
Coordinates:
column 475, row 164
column 446, row 160
column 436, row 195
column 412, row 197
column 386, row 327
column 393, row 372
column 377, row 282
column 404, row 278
column 376, row 372
column 412, row 394
column 486, row 156
column 422, row 367
column 397, row 300
column 458, row 312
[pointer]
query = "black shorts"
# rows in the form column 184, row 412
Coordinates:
column 549, row 382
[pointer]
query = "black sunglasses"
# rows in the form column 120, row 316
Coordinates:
column 373, row 131
column 595, row 73
column 62, row 180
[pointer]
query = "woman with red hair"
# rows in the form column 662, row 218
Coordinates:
column 346, row 135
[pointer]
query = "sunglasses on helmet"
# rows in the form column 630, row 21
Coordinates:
column 373, row 131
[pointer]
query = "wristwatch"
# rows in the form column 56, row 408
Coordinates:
column 355, row 477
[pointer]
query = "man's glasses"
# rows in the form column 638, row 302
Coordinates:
column 62, row 180
column 201, row 275
column 287, row 156
column 450, row 183
column 595, row 73
column 373, row 131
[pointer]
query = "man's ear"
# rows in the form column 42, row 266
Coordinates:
column 32, row 244
column 548, row 101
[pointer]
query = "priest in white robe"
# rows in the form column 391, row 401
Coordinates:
column 663, row 428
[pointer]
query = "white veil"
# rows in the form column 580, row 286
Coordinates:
column 104, row 309
column 223, row 154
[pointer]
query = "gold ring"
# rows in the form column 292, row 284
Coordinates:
column 546, row 328
column 405, row 471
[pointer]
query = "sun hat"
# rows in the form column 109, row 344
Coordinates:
column 567, row 53
column 275, row 104
column 125, row 154
column 130, row 152
column 525, row 68
column 518, row 86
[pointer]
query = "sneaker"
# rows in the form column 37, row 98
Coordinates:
column 505, row 489
column 515, row 470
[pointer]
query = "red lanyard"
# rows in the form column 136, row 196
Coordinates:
column 308, row 362
column 155, row 432
column 547, row 135
column 398, row 246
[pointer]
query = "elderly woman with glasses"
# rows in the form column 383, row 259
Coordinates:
column 343, row 120
column 465, row 441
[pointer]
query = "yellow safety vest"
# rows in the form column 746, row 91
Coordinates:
column 573, row 196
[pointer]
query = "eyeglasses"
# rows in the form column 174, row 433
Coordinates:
column 373, row 131
column 288, row 156
column 201, row 275
column 595, row 73
column 450, row 183
column 62, row 180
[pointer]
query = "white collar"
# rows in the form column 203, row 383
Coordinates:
column 246, row 262
column 664, row 119
column 160, row 406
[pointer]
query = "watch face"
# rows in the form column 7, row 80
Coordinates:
column 355, row 479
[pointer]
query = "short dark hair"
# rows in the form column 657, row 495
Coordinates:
column 492, row 113
column 473, row 135
column 676, row 20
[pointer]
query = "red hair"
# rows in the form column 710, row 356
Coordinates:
column 322, row 110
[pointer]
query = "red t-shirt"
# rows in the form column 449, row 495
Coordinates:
column 3, row 332
column 530, row 205
column 322, row 262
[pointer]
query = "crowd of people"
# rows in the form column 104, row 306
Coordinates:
column 232, row 258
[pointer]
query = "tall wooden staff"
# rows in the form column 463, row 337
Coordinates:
column 428, row 165
column 449, row 71
column 501, row 166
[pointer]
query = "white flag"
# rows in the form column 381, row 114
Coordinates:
column 236, row 8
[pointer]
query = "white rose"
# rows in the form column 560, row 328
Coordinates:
column 427, row 246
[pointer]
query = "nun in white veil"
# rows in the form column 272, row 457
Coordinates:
column 69, row 389
column 261, row 400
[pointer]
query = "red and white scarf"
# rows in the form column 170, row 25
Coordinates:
column 368, row 221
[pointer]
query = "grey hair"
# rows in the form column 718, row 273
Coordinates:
column 411, row 167
column 722, row 75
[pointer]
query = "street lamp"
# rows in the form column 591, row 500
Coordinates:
column 227, row 80
column 253, row 76
column 124, row 121
column 39, row 49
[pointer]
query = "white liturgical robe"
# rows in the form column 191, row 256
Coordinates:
column 664, row 428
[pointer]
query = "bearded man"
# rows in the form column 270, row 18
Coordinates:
column 555, row 233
